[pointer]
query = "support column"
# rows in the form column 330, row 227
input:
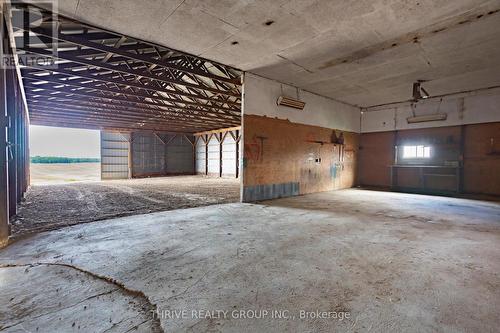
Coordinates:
column 12, row 150
column 206, row 153
column 4, row 187
column 221, row 138
column 237, row 142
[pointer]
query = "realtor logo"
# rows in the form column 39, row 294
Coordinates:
column 33, row 31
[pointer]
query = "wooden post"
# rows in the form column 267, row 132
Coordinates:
column 130, row 156
column 237, row 141
column 206, row 153
column 221, row 141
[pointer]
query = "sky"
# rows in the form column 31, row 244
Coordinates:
column 64, row 142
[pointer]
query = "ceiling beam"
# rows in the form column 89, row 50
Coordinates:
column 140, row 114
column 61, row 102
column 125, row 70
column 54, row 92
column 106, row 117
column 103, row 88
column 81, row 41
column 99, row 76
column 107, row 122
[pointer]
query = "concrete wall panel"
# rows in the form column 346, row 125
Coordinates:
column 461, row 110
column 260, row 95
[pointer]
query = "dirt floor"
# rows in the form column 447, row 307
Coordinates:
column 343, row 261
column 52, row 206
column 59, row 173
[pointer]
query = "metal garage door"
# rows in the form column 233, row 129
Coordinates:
column 213, row 156
column 201, row 156
column 115, row 148
column 148, row 155
column 229, row 156
column 179, row 155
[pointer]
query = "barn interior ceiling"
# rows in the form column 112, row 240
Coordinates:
column 365, row 52
column 77, row 75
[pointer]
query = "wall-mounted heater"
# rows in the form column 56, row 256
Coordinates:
column 291, row 102
column 430, row 117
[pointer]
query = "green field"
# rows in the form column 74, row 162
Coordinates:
column 56, row 173
column 57, row 159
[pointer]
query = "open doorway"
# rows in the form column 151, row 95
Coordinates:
column 135, row 172
column 64, row 155
column 166, row 126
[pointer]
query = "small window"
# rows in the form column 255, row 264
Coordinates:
column 416, row 152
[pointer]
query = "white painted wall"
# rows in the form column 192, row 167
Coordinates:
column 260, row 95
column 461, row 109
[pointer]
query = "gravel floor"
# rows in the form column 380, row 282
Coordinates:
column 52, row 206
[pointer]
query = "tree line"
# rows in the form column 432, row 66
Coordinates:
column 57, row 159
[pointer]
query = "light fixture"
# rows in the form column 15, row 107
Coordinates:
column 430, row 117
column 290, row 102
column 419, row 92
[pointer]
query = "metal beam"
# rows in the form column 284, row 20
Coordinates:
column 103, row 88
column 103, row 123
column 123, row 108
column 81, row 41
column 54, row 91
column 116, row 114
column 125, row 70
column 96, row 76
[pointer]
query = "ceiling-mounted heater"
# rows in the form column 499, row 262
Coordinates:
column 430, row 117
column 291, row 102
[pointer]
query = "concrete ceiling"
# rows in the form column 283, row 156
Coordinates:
column 364, row 52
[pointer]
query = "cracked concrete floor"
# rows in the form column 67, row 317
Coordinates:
column 394, row 262
column 60, row 298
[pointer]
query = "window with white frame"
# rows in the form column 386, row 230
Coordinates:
column 416, row 152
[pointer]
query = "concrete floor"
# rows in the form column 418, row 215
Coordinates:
column 392, row 262
column 57, row 205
